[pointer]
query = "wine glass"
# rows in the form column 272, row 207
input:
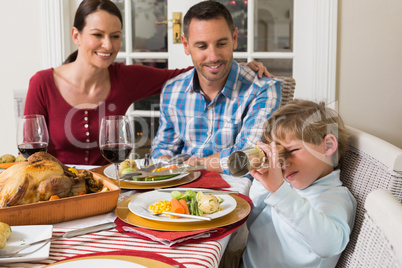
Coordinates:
column 32, row 134
column 116, row 140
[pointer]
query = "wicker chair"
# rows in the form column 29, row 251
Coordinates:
column 288, row 86
column 369, row 164
column 380, row 240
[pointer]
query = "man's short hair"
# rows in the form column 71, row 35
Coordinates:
column 207, row 10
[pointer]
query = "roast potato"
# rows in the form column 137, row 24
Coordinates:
column 20, row 158
column 5, row 232
column 7, row 158
column 128, row 163
column 208, row 204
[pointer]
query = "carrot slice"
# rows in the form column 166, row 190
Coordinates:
column 185, row 206
column 7, row 165
column 54, row 197
column 176, row 206
column 171, row 167
column 164, row 168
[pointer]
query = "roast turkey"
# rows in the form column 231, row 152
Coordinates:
column 41, row 177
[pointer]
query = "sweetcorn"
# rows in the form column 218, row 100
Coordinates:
column 161, row 206
column 73, row 170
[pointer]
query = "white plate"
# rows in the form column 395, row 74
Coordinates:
column 111, row 173
column 24, row 234
column 87, row 167
column 92, row 263
column 144, row 200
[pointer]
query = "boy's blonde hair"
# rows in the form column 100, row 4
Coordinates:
column 308, row 121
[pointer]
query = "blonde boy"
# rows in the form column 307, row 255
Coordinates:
column 302, row 216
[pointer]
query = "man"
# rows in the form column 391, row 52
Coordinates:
column 218, row 107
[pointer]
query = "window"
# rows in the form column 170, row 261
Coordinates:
column 292, row 38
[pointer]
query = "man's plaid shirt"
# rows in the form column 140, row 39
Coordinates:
column 190, row 123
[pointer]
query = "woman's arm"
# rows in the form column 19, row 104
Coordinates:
column 259, row 67
column 35, row 102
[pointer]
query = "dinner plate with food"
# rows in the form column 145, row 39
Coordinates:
column 97, row 262
column 131, row 165
column 185, row 201
column 106, row 260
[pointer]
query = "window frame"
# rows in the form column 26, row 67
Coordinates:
column 316, row 82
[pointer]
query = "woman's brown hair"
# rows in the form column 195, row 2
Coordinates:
column 86, row 8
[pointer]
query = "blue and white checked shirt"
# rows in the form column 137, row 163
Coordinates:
column 190, row 123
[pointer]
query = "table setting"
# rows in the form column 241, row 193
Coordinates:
column 136, row 239
column 113, row 222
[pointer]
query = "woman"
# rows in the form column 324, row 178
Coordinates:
column 75, row 96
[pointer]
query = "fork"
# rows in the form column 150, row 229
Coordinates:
column 147, row 166
column 178, row 215
column 143, row 174
column 147, row 158
column 177, row 159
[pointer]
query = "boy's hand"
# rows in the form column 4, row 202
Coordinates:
column 270, row 177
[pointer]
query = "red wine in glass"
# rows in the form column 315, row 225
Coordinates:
column 32, row 134
column 116, row 153
column 116, row 140
column 27, row 149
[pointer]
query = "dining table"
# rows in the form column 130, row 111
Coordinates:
column 142, row 246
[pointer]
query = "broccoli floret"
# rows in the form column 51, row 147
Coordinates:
column 190, row 194
column 176, row 195
column 127, row 170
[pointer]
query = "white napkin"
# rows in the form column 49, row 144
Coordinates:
column 240, row 184
column 167, row 242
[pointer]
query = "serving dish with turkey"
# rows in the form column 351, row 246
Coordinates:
column 43, row 190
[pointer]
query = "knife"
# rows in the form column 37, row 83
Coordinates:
column 178, row 159
column 153, row 166
column 184, row 215
column 205, row 191
column 143, row 174
column 179, row 215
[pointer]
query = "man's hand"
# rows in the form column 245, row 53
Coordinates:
column 211, row 163
column 194, row 161
column 164, row 157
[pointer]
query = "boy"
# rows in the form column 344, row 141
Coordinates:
column 302, row 215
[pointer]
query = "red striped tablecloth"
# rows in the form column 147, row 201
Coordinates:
column 204, row 254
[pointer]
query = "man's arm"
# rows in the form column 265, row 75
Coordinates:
column 260, row 108
column 265, row 102
column 211, row 163
column 167, row 142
